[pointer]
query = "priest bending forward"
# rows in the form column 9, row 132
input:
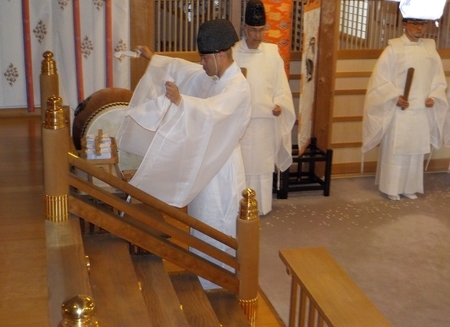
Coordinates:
column 187, row 126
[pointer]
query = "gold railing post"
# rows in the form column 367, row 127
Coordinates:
column 49, row 81
column 78, row 311
column 248, row 254
column 56, row 166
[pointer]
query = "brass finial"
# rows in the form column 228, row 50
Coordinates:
column 249, row 205
column 48, row 65
column 78, row 311
column 54, row 115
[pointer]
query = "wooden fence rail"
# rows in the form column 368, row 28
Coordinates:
column 322, row 294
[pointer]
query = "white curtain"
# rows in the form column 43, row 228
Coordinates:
column 83, row 36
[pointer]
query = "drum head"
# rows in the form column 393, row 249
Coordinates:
column 90, row 105
column 108, row 118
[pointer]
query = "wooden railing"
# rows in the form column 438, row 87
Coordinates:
column 84, row 194
column 69, row 192
column 322, row 294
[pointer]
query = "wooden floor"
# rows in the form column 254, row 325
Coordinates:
column 23, row 271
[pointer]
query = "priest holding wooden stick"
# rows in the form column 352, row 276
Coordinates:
column 404, row 110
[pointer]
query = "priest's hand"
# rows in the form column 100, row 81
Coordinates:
column 145, row 51
column 402, row 103
column 276, row 111
column 429, row 103
column 172, row 93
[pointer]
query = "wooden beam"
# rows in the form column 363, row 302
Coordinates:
column 353, row 74
column 142, row 32
column 346, row 119
column 346, row 145
column 326, row 70
column 359, row 53
column 350, row 92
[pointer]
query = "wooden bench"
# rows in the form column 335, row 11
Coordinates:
column 322, row 294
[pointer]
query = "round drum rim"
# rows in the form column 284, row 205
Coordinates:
column 99, row 111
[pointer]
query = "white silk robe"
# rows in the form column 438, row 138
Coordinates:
column 267, row 142
column 191, row 153
column 446, row 137
column 405, row 135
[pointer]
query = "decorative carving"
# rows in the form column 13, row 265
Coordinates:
column 249, row 205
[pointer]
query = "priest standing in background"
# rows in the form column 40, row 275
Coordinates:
column 405, row 127
column 267, row 142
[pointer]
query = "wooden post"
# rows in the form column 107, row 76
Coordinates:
column 142, row 32
column 78, row 311
column 326, row 71
column 248, row 254
column 56, row 166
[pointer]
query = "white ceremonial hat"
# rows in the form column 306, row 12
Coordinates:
column 421, row 9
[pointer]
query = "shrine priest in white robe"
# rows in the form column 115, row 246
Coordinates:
column 187, row 125
column 405, row 128
column 267, row 143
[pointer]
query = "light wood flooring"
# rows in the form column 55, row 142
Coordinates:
column 23, row 271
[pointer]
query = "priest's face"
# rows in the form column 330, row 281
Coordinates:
column 415, row 29
column 209, row 64
column 254, row 35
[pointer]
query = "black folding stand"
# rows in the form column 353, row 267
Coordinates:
column 305, row 177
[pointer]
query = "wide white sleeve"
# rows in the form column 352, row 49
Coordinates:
column 147, row 108
column 437, row 114
column 380, row 101
column 191, row 147
column 446, row 127
column 284, row 122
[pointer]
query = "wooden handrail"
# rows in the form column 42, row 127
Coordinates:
column 140, row 222
column 146, row 230
column 162, row 227
column 159, row 205
column 129, row 229
column 321, row 291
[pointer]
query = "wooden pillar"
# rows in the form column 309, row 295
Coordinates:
column 247, row 235
column 142, row 32
column 326, row 69
column 55, row 140
column 235, row 15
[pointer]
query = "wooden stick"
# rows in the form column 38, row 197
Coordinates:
column 409, row 78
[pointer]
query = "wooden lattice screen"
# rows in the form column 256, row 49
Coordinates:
column 363, row 24
column 369, row 24
column 177, row 22
column 297, row 26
